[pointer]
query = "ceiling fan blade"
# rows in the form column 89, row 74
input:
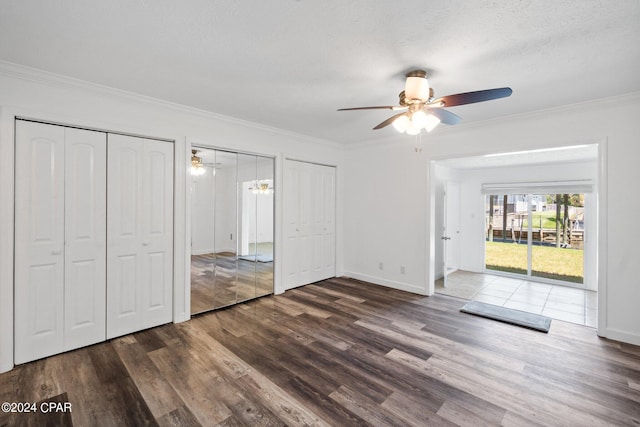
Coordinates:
column 471, row 97
column 385, row 107
column 445, row 116
column 388, row 121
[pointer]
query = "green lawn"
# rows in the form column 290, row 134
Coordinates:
column 548, row 220
column 548, row 261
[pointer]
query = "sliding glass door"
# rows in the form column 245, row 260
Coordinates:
column 536, row 235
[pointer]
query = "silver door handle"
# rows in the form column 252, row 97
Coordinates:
column 145, row 243
column 445, row 238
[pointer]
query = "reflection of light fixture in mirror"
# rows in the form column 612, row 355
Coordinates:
column 197, row 168
column 261, row 187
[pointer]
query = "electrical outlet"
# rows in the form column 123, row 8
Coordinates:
column 380, row 266
column 402, row 270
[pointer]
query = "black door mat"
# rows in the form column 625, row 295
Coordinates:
column 508, row 315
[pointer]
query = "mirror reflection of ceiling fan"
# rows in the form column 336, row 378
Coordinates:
column 198, row 167
column 262, row 187
column 423, row 111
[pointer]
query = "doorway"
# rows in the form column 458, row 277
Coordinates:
column 573, row 170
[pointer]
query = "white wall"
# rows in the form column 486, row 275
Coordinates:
column 33, row 94
column 387, row 198
column 385, row 205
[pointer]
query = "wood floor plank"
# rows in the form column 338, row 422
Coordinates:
column 193, row 382
column 128, row 407
column 465, row 409
column 285, row 405
column 370, row 411
column 411, row 410
column 179, row 417
column 154, row 387
column 338, row 352
column 54, row 415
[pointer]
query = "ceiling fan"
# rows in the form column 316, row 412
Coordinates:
column 423, row 111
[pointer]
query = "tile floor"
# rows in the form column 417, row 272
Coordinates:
column 558, row 302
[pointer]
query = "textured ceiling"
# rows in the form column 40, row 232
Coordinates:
column 291, row 64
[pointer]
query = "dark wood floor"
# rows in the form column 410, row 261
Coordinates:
column 340, row 352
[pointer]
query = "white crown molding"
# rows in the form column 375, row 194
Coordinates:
column 35, row 75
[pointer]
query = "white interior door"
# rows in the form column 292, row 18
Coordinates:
column 309, row 223
column 451, row 229
column 61, row 249
column 305, row 224
column 140, row 234
column 85, row 237
column 157, row 232
column 323, row 208
column 39, row 243
column 292, row 212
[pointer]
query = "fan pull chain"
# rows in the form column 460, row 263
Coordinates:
column 419, row 143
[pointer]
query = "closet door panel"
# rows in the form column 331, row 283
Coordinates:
column 140, row 234
column 305, row 223
column 309, row 223
column 317, row 222
column 124, row 235
column 327, row 225
column 157, row 232
column 39, row 248
column 291, row 213
column 85, row 238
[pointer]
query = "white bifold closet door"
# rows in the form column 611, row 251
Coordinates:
column 60, row 248
column 140, row 234
column 309, row 223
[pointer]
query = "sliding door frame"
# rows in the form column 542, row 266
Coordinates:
column 587, row 278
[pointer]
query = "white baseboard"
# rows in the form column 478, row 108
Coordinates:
column 388, row 283
column 6, row 367
column 618, row 335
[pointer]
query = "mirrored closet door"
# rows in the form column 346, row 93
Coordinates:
column 231, row 228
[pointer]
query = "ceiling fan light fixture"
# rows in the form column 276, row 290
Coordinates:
column 412, row 129
column 426, row 112
column 416, row 86
column 401, row 123
column 419, row 119
column 430, row 122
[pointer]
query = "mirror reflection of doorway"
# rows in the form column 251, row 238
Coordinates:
column 232, row 228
